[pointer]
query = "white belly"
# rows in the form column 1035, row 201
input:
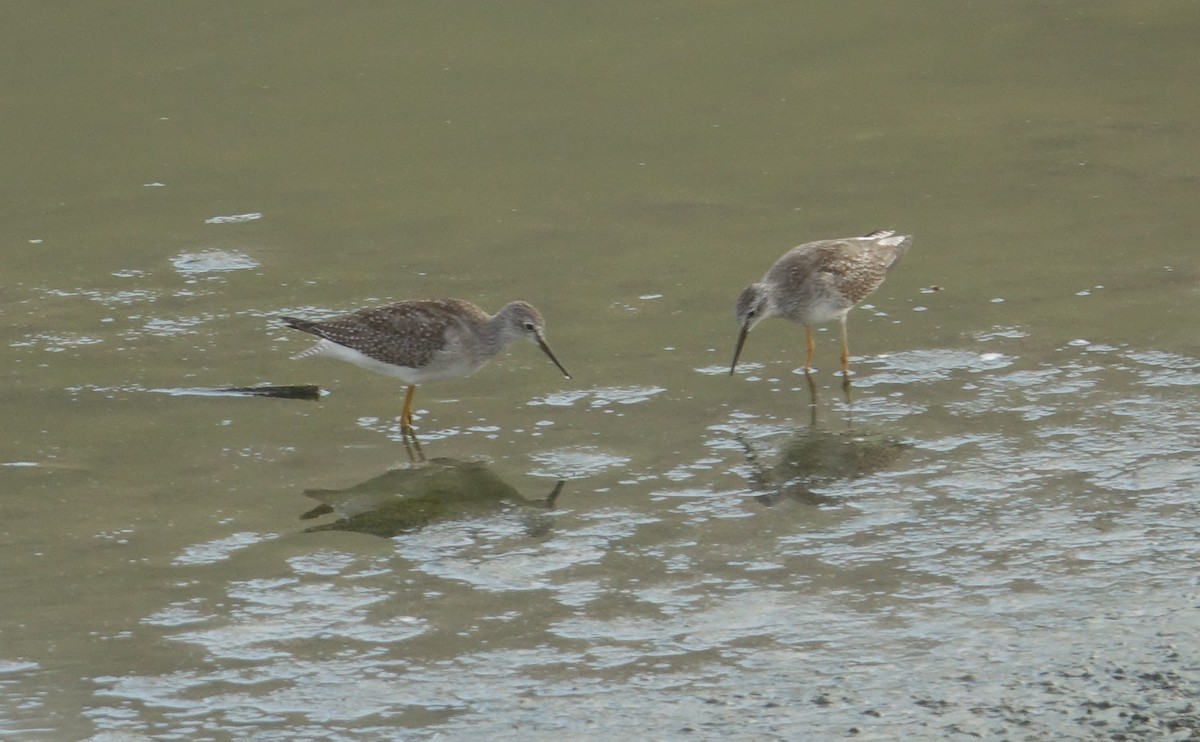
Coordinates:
column 819, row 312
column 442, row 366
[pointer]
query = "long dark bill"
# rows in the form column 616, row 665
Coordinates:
column 738, row 350
column 541, row 341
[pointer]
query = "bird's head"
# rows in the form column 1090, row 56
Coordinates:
column 753, row 306
column 522, row 319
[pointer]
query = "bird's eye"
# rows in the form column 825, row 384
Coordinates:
column 530, row 327
column 752, row 312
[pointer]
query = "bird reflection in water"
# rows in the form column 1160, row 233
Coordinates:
column 436, row 491
column 810, row 458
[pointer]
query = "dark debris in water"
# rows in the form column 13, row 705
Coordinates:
column 306, row 392
column 1112, row 704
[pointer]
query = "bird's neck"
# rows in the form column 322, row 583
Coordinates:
column 769, row 307
column 494, row 338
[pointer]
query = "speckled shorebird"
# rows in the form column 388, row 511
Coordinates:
column 424, row 339
column 819, row 282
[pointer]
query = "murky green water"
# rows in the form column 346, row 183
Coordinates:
column 996, row 537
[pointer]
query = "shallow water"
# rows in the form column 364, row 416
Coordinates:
column 994, row 536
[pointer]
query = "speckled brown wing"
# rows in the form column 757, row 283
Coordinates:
column 855, row 269
column 407, row 333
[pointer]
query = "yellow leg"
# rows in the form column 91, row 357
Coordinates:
column 811, row 345
column 406, row 413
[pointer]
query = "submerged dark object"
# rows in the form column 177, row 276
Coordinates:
column 411, row 497
column 813, row 457
column 308, row 392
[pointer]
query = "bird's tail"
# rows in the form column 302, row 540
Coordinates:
column 879, row 234
column 308, row 326
column 296, row 323
column 888, row 238
column 316, row 350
